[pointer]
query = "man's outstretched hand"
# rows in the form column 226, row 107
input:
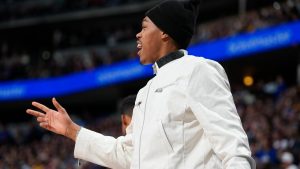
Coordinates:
column 57, row 121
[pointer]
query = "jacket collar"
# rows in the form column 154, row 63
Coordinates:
column 168, row 58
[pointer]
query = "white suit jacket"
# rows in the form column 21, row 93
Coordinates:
column 184, row 118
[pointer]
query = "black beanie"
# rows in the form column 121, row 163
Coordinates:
column 177, row 19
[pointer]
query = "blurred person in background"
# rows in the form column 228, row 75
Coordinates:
column 184, row 117
column 126, row 108
column 287, row 161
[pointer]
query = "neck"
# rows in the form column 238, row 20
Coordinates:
column 166, row 50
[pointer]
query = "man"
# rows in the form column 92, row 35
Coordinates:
column 184, row 118
column 126, row 108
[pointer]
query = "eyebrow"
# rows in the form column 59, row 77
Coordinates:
column 145, row 20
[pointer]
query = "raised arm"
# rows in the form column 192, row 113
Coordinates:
column 90, row 146
column 57, row 121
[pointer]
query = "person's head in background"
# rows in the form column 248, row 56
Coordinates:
column 125, row 108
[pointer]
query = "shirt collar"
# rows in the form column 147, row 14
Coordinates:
column 168, row 58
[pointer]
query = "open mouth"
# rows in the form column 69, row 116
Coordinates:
column 139, row 46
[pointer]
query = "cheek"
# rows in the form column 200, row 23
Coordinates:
column 152, row 41
column 151, row 45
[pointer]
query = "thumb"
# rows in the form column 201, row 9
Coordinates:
column 58, row 106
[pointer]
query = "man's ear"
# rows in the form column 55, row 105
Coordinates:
column 122, row 118
column 164, row 36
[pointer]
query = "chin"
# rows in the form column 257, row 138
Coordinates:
column 144, row 62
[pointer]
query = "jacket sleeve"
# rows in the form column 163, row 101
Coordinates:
column 104, row 150
column 210, row 99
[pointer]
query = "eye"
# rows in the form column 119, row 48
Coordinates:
column 143, row 26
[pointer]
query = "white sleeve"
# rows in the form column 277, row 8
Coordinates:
column 210, row 99
column 104, row 150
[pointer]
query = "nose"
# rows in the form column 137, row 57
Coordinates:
column 138, row 35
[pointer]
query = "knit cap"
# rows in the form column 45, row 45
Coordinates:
column 177, row 19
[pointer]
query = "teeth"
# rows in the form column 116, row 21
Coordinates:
column 139, row 46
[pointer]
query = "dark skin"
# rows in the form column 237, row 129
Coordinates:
column 57, row 121
column 152, row 44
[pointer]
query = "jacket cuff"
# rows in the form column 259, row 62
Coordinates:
column 82, row 143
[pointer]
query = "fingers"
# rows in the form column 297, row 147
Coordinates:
column 41, row 119
column 35, row 113
column 57, row 105
column 45, row 125
column 40, row 106
column 45, row 119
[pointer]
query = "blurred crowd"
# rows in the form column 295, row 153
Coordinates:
column 250, row 21
column 92, row 48
column 27, row 146
column 18, row 9
column 23, row 65
column 270, row 114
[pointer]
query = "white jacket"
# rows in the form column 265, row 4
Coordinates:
column 184, row 118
